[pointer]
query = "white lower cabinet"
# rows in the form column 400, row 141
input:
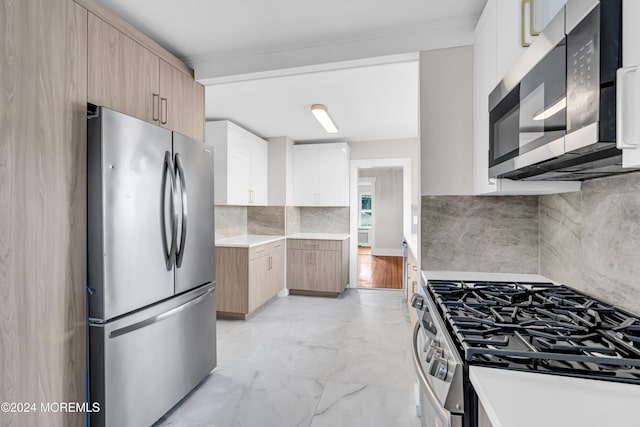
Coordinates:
column 241, row 160
column 321, row 174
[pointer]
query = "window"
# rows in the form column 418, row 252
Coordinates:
column 366, row 209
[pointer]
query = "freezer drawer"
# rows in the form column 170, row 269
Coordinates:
column 141, row 365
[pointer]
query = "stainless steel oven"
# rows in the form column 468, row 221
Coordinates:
column 438, row 369
column 553, row 116
column 514, row 322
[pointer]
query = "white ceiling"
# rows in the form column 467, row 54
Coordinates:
column 367, row 103
column 195, row 28
column 234, row 45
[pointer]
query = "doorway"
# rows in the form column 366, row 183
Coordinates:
column 380, row 217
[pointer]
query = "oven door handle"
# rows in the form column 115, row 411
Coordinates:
column 443, row 414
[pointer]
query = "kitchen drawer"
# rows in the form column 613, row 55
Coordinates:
column 276, row 246
column 265, row 249
column 316, row 245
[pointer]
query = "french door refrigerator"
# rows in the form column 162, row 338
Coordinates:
column 151, row 269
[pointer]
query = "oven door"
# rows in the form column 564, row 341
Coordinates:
column 433, row 413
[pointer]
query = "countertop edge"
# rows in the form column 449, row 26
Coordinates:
column 237, row 241
column 318, row 236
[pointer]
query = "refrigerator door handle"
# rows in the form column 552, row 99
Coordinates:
column 183, row 191
column 161, row 316
column 169, row 252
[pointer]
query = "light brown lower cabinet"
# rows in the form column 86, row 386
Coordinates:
column 317, row 267
column 413, row 284
column 247, row 278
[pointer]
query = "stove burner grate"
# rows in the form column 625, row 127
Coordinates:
column 540, row 326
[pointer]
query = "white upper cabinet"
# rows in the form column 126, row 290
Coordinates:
column 544, row 11
column 321, row 174
column 628, row 97
column 497, row 47
column 241, row 160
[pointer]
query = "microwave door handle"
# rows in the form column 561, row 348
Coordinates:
column 183, row 193
column 442, row 413
column 621, row 140
column 169, row 252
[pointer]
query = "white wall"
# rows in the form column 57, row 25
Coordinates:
column 388, row 211
column 446, row 121
column 280, row 179
column 392, row 148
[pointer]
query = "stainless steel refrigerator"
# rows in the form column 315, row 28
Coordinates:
column 151, row 268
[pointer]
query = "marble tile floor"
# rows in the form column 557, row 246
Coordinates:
column 312, row 362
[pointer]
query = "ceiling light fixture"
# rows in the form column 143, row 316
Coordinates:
column 554, row 109
column 321, row 113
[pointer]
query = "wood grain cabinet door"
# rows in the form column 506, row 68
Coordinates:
column 299, row 273
column 276, row 282
column 123, row 75
column 258, row 281
column 181, row 102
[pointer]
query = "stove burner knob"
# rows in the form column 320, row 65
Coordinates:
column 417, row 301
column 439, row 368
column 434, row 351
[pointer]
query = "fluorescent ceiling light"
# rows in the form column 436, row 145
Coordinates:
column 321, row 113
column 554, row 109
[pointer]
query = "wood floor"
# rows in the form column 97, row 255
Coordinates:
column 378, row 271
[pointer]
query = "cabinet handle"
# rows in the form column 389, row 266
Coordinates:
column 156, row 107
column 270, row 263
column 250, row 196
column 525, row 43
column 164, row 111
column 622, row 141
column 532, row 14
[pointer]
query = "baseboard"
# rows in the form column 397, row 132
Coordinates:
column 386, row 252
column 283, row 293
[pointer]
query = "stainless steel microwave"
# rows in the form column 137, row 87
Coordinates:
column 553, row 116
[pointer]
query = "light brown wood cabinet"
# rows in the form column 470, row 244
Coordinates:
column 317, row 267
column 126, row 76
column 43, row 205
column 248, row 278
column 181, row 102
column 413, row 283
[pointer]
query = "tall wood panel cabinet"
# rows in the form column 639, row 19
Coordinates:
column 128, row 77
column 43, row 76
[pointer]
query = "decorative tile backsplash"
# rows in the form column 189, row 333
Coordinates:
column 279, row 220
column 293, row 219
column 469, row 233
column 590, row 240
column 230, row 221
column 324, row 220
column 266, row 220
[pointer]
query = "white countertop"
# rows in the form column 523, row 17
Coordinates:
column 478, row 276
column 318, row 236
column 247, row 241
column 524, row 399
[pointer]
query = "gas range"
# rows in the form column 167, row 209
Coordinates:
column 541, row 327
column 526, row 325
